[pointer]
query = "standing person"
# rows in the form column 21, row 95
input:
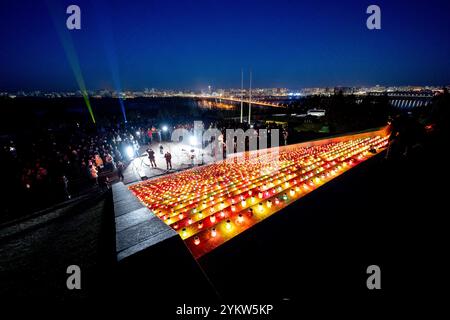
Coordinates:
column 120, row 170
column 109, row 162
column 149, row 135
column 168, row 157
column 107, row 183
column 94, row 173
column 151, row 157
column 285, row 136
column 98, row 161
column 395, row 137
column 66, row 187
column 161, row 149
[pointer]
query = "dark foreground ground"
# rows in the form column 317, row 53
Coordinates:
column 313, row 255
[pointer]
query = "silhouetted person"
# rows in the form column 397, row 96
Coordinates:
column 404, row 133
column 151, row 157
column 107, row 183
column 94, row 174
column 66, row 187
column 413, row 132
column 120, row 168
column 285, row 136
column 168, row 157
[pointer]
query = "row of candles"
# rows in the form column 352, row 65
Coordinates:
column 209, row 205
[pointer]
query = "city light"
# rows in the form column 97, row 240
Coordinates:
column 243, row 194
column 165, row 128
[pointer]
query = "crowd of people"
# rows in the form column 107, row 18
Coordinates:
column 58, row 163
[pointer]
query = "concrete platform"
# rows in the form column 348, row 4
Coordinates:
column 151, row 255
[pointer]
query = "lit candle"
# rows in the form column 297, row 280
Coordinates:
column 260, row 207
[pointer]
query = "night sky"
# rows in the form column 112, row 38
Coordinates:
column 192, row 44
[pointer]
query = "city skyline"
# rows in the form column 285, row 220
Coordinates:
column 204, row 89
column 211, row 91
column 186, row 45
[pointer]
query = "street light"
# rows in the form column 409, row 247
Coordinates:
column 130, row 152
column 193, row 140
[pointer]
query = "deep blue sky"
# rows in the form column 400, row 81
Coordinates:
column 190, row 44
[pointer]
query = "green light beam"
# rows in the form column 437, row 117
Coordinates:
column 59, row 19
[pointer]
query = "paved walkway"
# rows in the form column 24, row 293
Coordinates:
column 181, row 159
